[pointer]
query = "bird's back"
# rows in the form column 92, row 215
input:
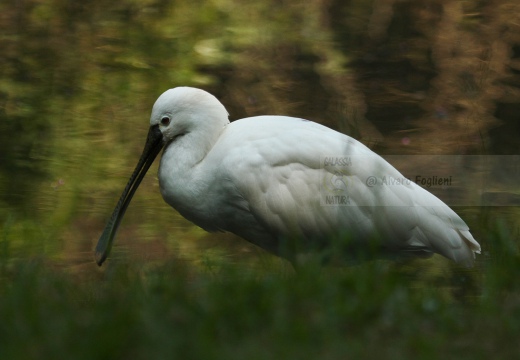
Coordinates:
column 269, row 177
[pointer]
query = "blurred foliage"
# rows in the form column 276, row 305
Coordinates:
column 77, row 81
column 141, row 311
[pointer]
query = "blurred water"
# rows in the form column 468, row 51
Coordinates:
column 77, row 83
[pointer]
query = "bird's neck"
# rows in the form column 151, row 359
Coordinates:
column 182, row 160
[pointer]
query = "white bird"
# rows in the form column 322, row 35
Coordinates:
column 265, row 179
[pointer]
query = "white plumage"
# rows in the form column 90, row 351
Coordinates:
column 262, row 178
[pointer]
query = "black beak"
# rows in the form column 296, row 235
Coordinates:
column 152, row 147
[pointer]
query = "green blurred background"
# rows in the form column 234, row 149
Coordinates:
column 78, row 80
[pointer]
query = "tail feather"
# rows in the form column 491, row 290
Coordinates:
column 447, row 236
column 470, row 241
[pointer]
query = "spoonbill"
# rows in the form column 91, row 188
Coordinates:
column 273, row 180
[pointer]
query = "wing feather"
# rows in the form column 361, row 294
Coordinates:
column 280, row 179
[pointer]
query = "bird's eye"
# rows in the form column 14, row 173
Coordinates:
column 165, row 121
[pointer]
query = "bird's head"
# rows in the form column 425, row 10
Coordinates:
column 176, row 113
column 185, row 110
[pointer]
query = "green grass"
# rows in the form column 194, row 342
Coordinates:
column 134, row 310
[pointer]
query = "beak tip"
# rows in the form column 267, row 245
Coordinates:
column 100, row 258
